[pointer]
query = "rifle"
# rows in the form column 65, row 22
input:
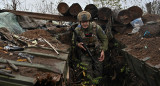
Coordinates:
column 79, row 39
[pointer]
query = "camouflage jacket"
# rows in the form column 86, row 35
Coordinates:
column 93, row 35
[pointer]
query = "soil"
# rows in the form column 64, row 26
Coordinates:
column 38, row 33
column 150, row 17
column 141, row 47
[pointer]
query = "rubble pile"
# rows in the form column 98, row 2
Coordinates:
column 34, row 42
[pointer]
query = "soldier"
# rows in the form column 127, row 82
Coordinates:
column 97, row 42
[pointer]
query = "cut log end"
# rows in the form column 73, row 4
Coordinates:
column 75, row 9
column 63, row 8
column 104, row 13
column 135, row 12
column 124, row 17
column 92, row 9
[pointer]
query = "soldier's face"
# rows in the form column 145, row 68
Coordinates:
column 85, row 24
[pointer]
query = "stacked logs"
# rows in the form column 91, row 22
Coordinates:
column 102, row 14
column 65, row 10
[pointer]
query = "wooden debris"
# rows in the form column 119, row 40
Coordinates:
column 29, row 59
column 14, row 67
column 47, row 79
column 51, row 46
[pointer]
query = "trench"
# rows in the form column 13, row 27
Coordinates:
column 116, row 70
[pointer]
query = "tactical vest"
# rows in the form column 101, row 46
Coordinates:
column 90, row 38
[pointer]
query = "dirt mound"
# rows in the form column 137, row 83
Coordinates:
column 152, row 30
column 54, row 30
column 65, row 37
column 142, row 47
column 150, row 17
column 33, row 34
column 146, row 43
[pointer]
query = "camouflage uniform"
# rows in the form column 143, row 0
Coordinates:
column 96, row 40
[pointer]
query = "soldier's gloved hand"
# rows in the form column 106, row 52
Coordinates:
column 81, row 45
column 101, row 58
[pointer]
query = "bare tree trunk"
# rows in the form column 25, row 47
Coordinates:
column 102, row 3
column 14, row 4
column 148, row 6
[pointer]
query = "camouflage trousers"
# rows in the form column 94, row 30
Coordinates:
column 94, row 70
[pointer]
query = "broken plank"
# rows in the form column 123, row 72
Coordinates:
column 58, row 68
column 42, row 15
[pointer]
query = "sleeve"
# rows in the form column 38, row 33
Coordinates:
column 103, row 38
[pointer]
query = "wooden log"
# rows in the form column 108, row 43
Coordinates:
column 14, row 67
column 63, row 8
column 92, row 9
column 104, row 13
column 127, row 15
column 74, row 9
column 135, row 12
column 124, row 17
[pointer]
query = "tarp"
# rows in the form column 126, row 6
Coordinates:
column 27, row 22
column 9, row 21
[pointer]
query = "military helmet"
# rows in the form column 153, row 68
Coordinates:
column 84, row 16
